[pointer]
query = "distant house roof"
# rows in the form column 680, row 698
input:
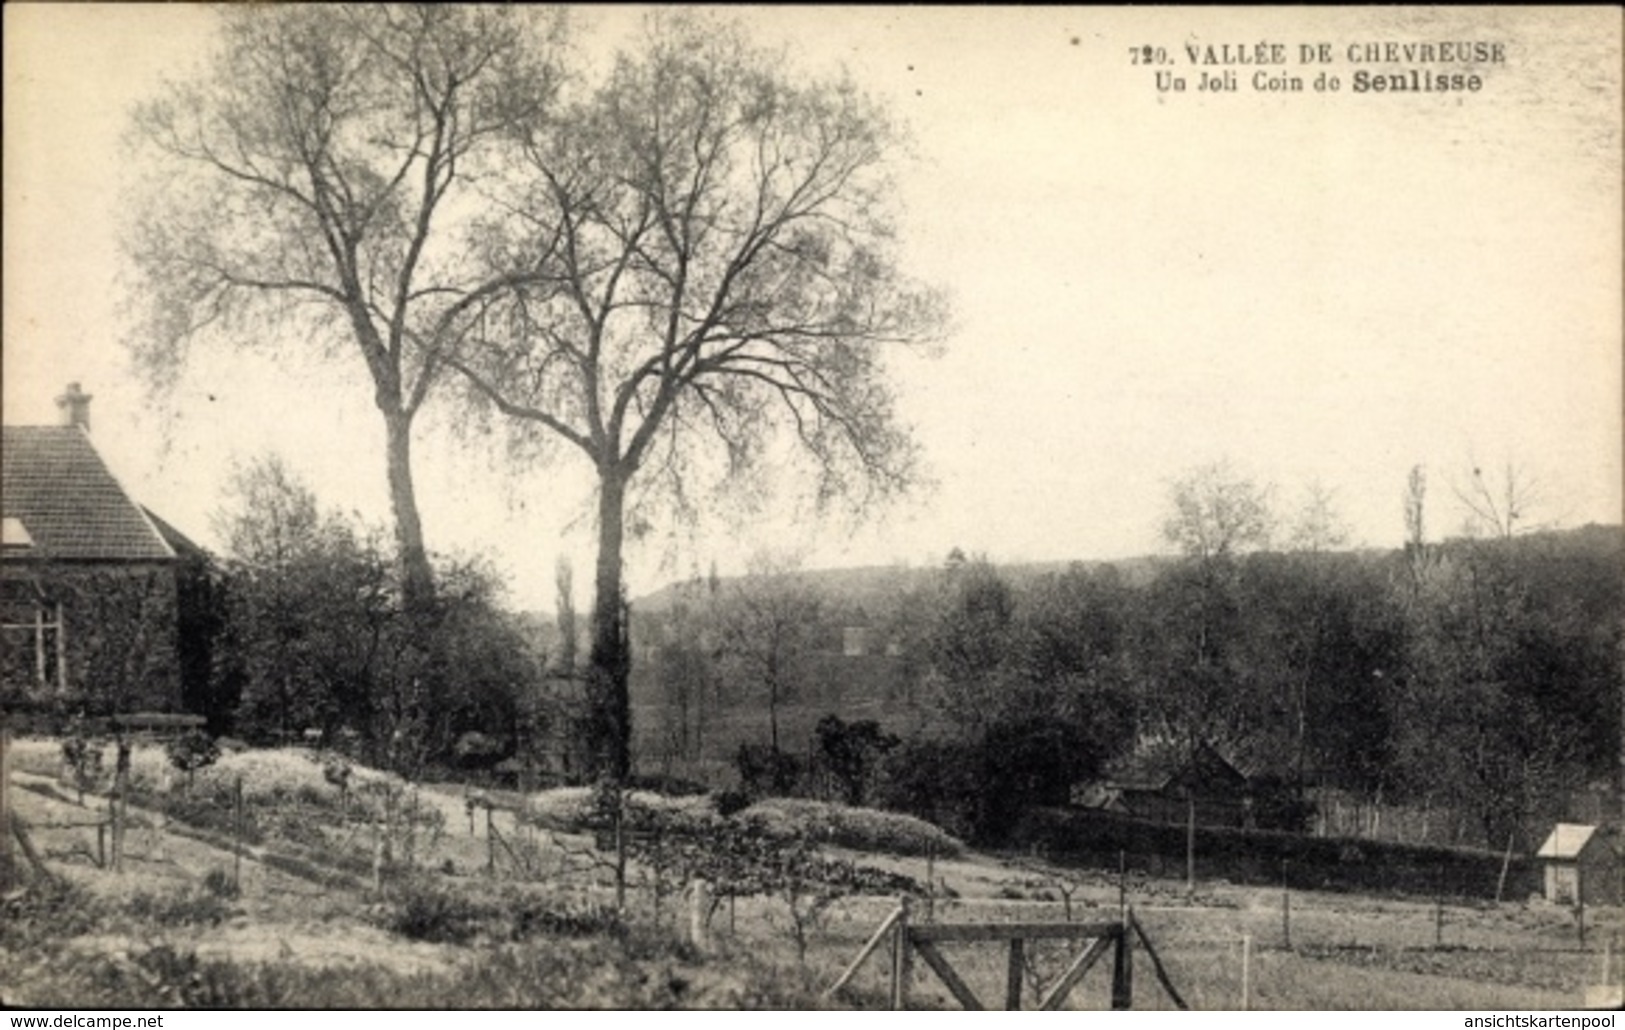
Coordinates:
column 1567, row 840
column 66, row 503
column 1157, row 765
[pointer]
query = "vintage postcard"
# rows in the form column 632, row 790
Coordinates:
column 796, row 507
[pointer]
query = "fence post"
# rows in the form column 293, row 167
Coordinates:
column 901, row 966
column 1246, row 963
column 1607, row 961
column 1012, row 975
column 1286, row 909
column 931, row 881
column 8, row 868
column 1506, row 863
column 1190, row 848
column 237, row 836
column 490, row 844
column 1123, row 970
column 121, row 788
column 1438, row 912
column 699, row 912
column 1122, row 885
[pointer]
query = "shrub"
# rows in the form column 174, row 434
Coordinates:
column 427, row 912
column 294, row 774
column 533, row 917
column 584, row 809
column 424, row 910
column 765, row 772
column 566, row 809
column 728, row 802
column 59, row 909
column 934, row 780
column 191, row 752
column 190, row 907
column 852, row 751
column 861, row 829
column 1088, row 837
column 83, row 758
column 219, row 883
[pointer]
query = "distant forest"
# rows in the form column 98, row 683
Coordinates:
column 1479, row 677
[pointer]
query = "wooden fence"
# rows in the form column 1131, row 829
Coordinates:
column 910, row 939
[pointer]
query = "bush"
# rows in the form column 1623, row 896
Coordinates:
column 424, row 910
column 189, row 907
column 219, row 883
column 934, row 780
column 83, row 757
column 192, row 751
column 1090, row 837
column 861, row 829
column 294, row 774
column 729, row 802
column 427, row 912
column 764, row 772
column 59, row 909
column 852, row 751
column 566, row 809
column 586, row 809
column 534, row 917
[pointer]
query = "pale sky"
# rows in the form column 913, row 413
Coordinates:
column 1314, row 286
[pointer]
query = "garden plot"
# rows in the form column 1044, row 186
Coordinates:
column 502, row 900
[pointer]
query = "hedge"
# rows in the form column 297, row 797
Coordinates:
column 1089, row 837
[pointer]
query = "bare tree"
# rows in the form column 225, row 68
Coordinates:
column 724, row 291
column 766, row 624
column 1418, row 558
column 1319, row 526
column 1217, row 514
column 308, row 193
column 1498, row 509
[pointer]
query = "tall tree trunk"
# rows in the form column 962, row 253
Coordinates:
column 609, row 708
column 773, row 714
column 417, row 581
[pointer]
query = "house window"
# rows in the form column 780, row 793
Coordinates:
column 32, row 640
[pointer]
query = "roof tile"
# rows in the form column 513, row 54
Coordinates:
column 54, row 482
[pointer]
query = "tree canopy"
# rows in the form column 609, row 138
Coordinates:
column 310, row 193
column 714, row 284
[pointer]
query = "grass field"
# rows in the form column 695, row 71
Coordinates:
column 296, row 906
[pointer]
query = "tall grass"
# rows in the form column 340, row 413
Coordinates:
column 599, row 972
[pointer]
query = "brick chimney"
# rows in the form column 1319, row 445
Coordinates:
column 74, row 404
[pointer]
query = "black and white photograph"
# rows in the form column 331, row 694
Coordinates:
column 650, row 507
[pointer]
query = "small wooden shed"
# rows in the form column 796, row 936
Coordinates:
column 1581, row 866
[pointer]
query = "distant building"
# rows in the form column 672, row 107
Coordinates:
column 854, row 641
column 1164, row 783
column 88, row 580
column 1582, row 865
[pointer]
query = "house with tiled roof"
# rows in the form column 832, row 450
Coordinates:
column 88, row 579
column 1169, row 781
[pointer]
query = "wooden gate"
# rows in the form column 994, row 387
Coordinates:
column 1097, row 938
